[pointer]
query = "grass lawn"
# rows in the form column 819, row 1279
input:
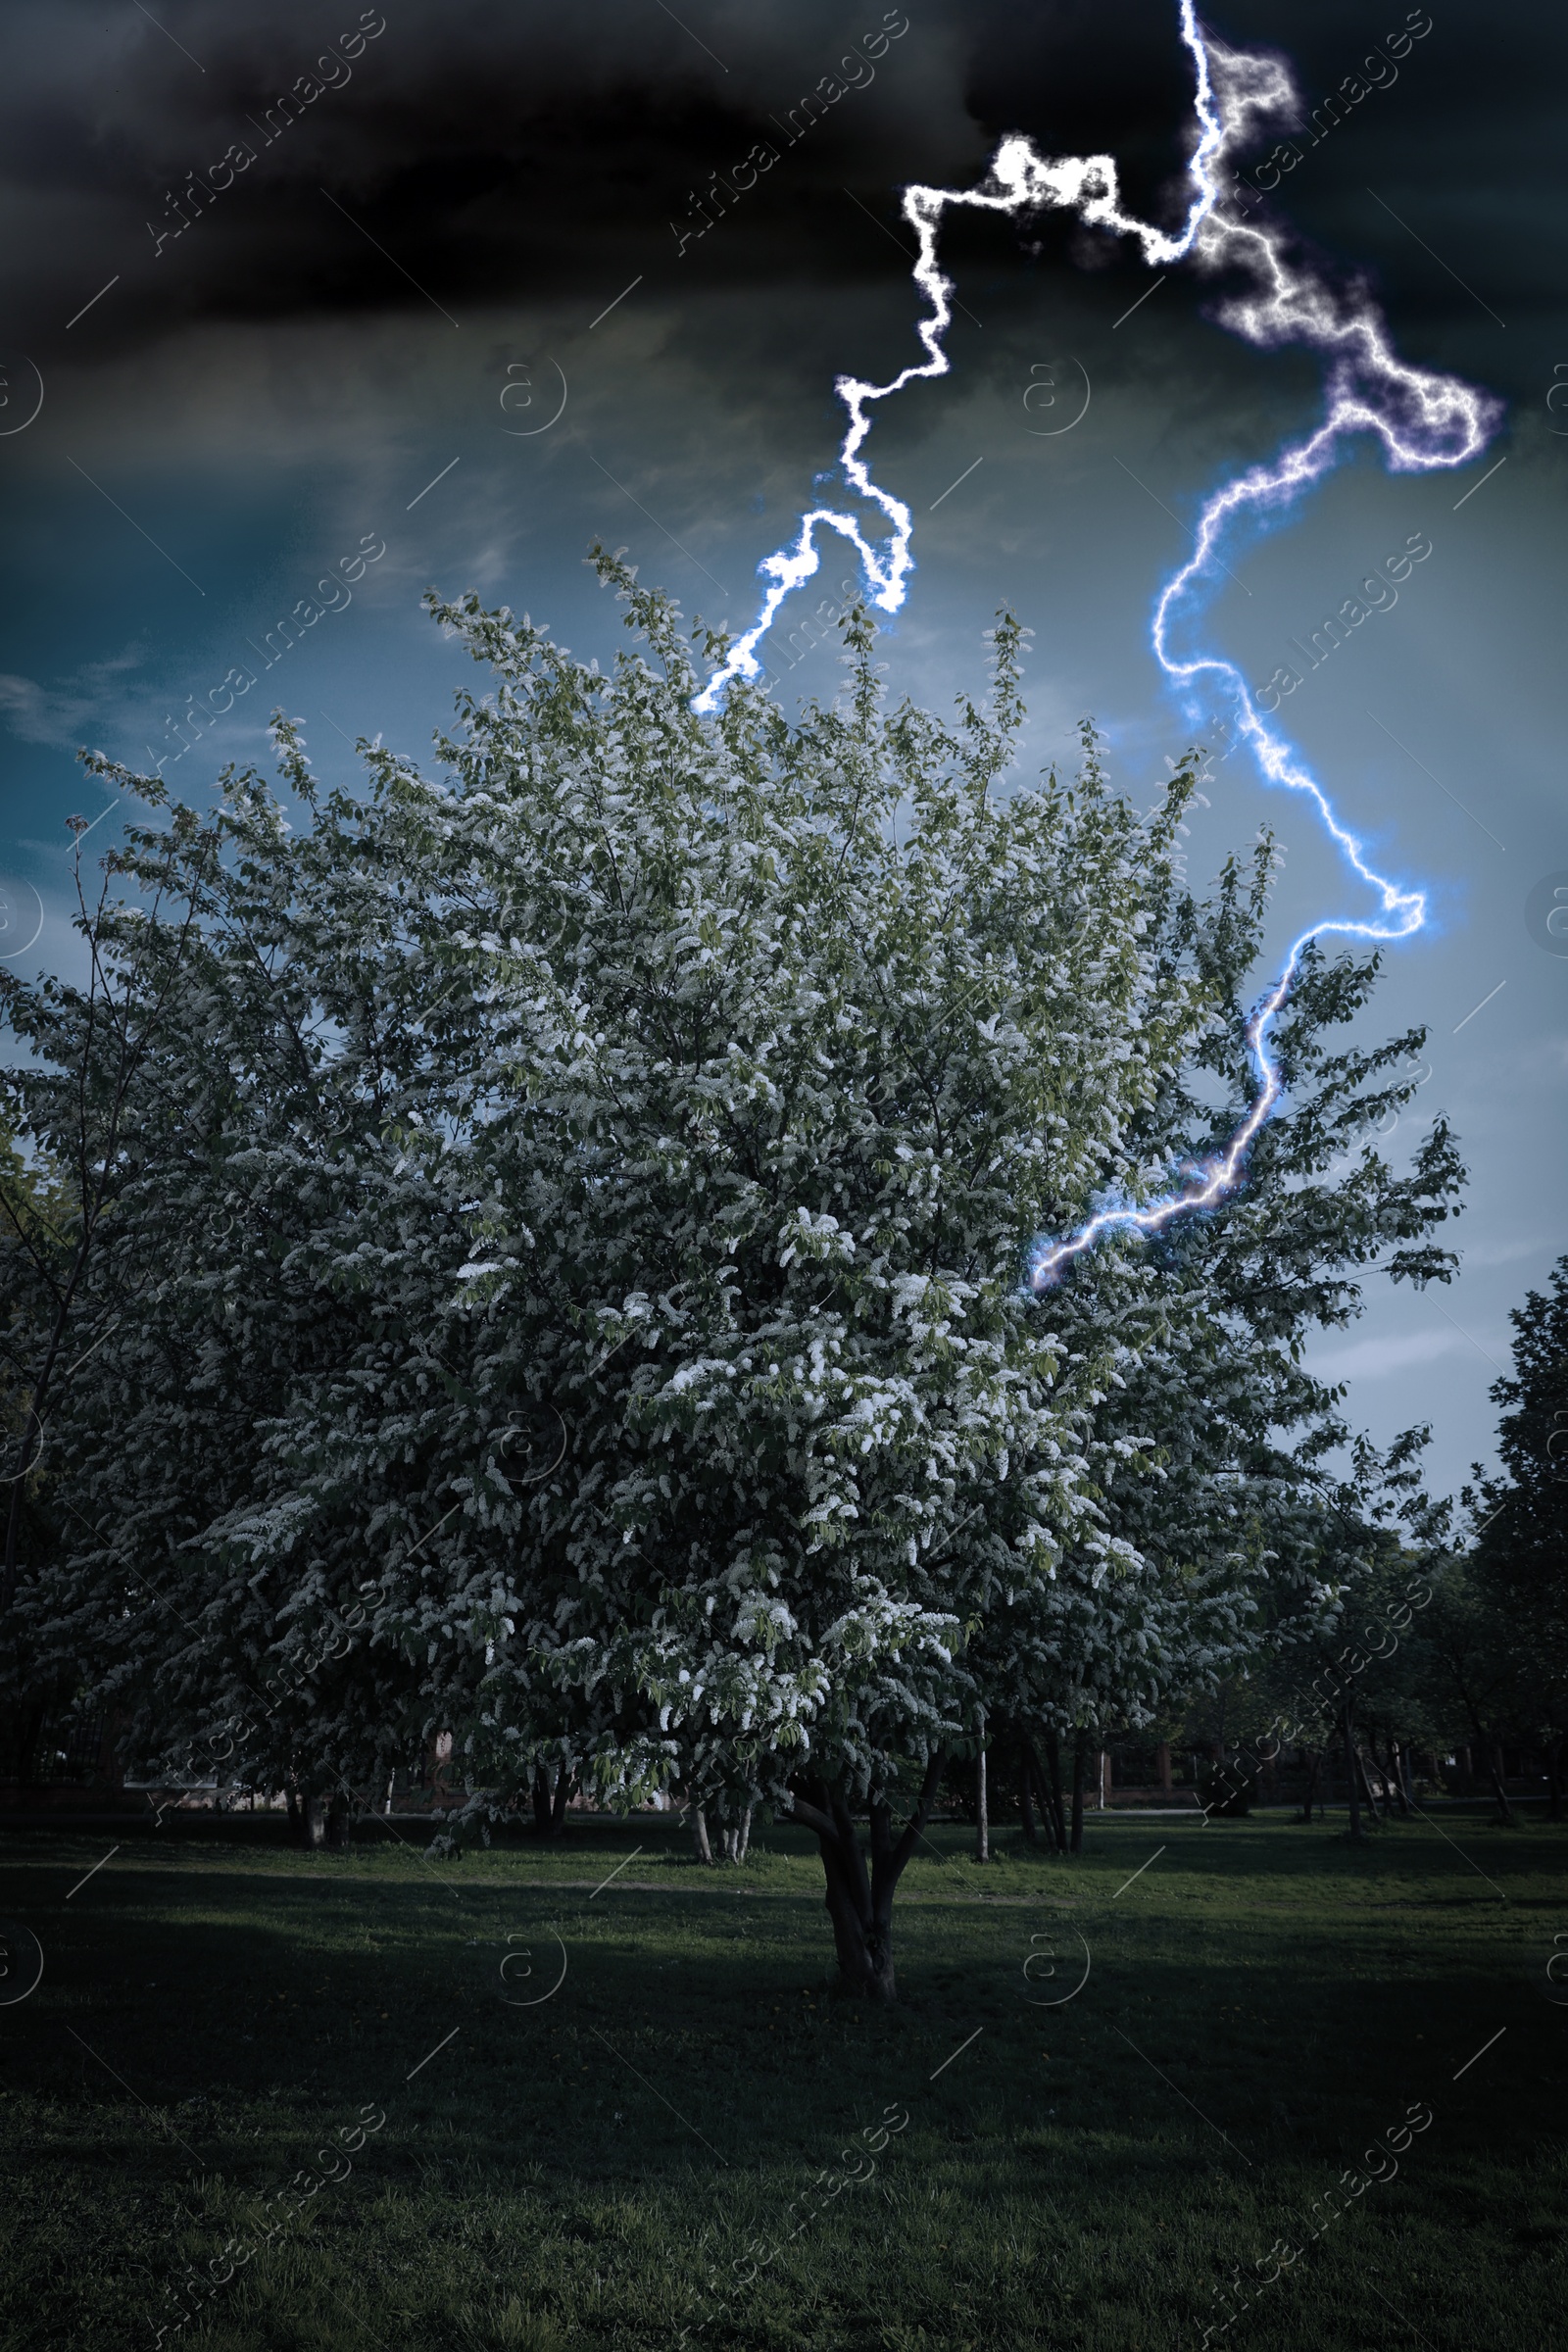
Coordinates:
column 654, row 2147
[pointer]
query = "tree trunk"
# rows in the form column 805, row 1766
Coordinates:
column 705, row 1853
column 339, row 1822
column 1048, row 1794
column 860, row 1903
column 32, row 1430
column 558, row 1811
column 736, row 1836
column 1349, row 1775
column 1554, row 1779
column 1034, row 1773
column 982, row 1815
column 307, row 1818
column 541, row 1801
column 1026, row 1811
column 7, row 1572
column 1311, row 1784
column 861, row 1939
column 1080, row 1765
column 1367, row 1790
column 1058, row 1815
column 1498, row 1791
column 1395, row 1776
column 29, row 1721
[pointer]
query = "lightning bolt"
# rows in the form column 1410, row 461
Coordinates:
column 1423, row 421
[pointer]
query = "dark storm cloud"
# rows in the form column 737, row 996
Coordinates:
column 1459, row 129
column 1445, row 184
column 505, row 152
column 493, row 151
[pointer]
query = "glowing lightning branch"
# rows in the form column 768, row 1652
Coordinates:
column 1423, row 421
column 1021, row 181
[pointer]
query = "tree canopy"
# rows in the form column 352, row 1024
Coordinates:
column 558, row 1267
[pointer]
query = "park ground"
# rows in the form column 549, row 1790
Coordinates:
column 692, row 2131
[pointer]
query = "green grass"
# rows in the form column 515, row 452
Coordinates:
column 574, row 2173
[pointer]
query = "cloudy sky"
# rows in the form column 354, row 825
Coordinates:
column 506, row 278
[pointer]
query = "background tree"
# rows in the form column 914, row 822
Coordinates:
column 1518, row 1570
column 1342, row 1661
column 1471, row 1678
